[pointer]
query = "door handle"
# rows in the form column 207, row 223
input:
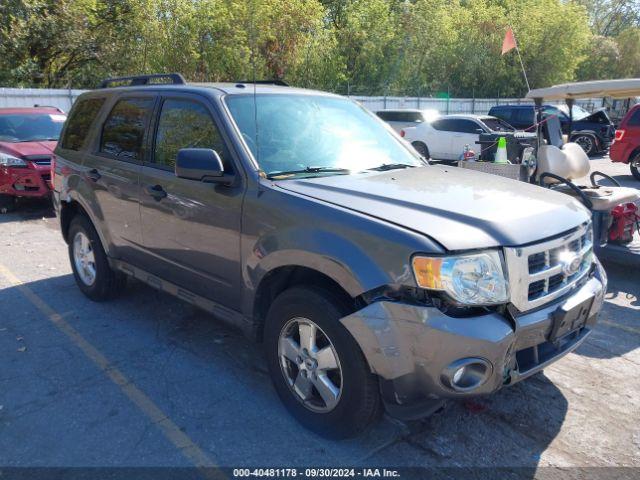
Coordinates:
column 156, row 191
column 94, row 175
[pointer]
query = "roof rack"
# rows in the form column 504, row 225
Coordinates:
column 137, row 80
column 280, row 83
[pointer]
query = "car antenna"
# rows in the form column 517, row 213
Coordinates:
column 253, row 68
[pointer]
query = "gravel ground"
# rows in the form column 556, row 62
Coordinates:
column 147, row 380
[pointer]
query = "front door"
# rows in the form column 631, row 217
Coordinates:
column 113, row 168
column 191, row 229
column 465, row 132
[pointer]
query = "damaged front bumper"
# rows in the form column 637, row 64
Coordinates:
column 30, row 181
column 423, row 356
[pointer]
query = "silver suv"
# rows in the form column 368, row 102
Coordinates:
column 373, row 278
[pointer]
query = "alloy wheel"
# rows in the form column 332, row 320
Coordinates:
column 310, row 365
column 586, row 143
column 84, row 258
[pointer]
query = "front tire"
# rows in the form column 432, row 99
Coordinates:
column 316, row 366
column 91, row 269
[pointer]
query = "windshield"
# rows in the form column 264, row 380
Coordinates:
column 304, row 134
column 497, row 125
column 31, row 127
column 578, row 112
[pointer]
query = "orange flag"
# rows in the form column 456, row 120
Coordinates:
column 509, row 42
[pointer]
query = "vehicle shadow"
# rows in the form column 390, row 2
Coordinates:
column 214, row 383
column 504, row 434
column 29, row 209
column 618, row 330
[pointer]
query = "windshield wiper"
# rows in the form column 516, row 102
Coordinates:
column 308, row 170
column 37, row 140
column 391, row 166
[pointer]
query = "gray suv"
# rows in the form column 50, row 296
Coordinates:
column 373, row 279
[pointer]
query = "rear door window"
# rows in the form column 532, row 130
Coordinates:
column 123, row 133
column 186, row 124
column 444, row 124
column 79, row 124
column 457, row 125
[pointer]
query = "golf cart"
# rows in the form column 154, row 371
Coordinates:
column 558, row 165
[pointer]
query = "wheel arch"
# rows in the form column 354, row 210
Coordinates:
column 635, row 152
column 68, row 210
column 284, row 277
column 579, row 133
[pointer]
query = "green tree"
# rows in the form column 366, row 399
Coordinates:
column 629, row 46
column 601, row 59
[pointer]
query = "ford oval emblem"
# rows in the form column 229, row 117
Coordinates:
column 571, row 265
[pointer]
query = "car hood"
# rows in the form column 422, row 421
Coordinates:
column 27, row 149
column 458, row 208
column 599, row 116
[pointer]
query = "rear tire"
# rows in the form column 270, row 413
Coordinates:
column 91, row 269
column 634, row 166
column 7, row 203
column 354, row 399
column 421, row 148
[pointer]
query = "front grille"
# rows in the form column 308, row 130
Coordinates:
column 542, row 272
column 42, row 160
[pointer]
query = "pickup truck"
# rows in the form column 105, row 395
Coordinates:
column 372, row 278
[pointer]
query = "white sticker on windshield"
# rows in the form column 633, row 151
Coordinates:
column 58, row 118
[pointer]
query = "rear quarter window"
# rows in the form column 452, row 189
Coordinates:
column 79, row 123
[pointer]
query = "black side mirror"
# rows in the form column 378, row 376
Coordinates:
column 201, row 164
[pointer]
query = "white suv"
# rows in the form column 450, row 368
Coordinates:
column 445, row 137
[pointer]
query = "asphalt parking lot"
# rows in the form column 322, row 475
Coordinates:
column 147, row 380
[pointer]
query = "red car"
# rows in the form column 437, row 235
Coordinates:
column 27, row 139
column 626, row 145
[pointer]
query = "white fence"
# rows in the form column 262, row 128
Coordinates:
column 63, row 98
column 442, row 105
column 28, row 97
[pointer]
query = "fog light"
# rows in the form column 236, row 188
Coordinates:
column 466, row 374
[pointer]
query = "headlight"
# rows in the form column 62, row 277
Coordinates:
column 474, row 279
column 11, row 161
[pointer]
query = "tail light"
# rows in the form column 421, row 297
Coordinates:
column 402, row 133
column 619, row 135
column 53, row 170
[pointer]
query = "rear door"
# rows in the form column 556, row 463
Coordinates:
column 191, row 229
column 112, row 169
